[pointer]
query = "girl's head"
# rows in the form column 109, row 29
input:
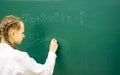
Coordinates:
column 11, row 30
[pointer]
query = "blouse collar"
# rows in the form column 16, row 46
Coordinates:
column 5, row 45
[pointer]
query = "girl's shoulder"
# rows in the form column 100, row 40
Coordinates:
column 20, row 54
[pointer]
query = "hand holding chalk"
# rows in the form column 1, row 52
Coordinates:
column 53, row 45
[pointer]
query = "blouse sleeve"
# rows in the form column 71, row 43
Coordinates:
column 31, row 67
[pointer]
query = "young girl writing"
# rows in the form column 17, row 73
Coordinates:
column 16, row 62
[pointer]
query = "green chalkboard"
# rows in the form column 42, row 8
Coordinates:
column 88, row 33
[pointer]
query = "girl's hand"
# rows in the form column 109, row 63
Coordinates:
column 53, row 45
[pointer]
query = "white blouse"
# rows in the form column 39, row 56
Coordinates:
column 16, row 62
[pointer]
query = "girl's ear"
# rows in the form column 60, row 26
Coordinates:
column 11, row 33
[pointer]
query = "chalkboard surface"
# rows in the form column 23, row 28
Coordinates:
column 88, row 33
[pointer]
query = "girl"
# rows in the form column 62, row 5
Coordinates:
column 16, row 62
